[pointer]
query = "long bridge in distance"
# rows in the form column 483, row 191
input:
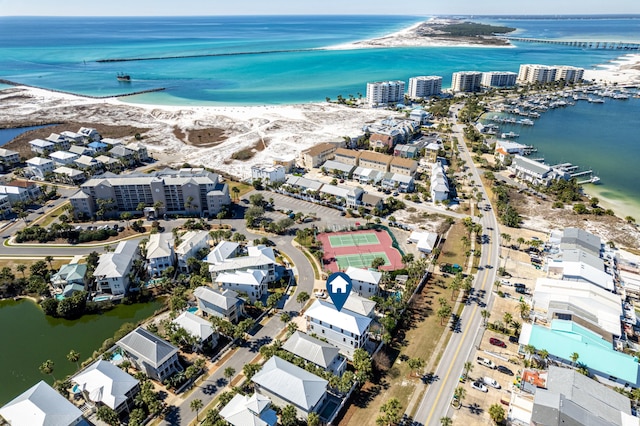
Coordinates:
column 605, row 45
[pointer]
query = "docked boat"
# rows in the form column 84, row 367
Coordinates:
column 596, row 100
column 510, row 135
column 123, row 77
column 526, row 122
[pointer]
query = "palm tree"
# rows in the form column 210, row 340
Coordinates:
column 459, row 395
column 524, row 309
column 196, row 405
column 21, row 268
column 47, row 368
column 49, row 259
column 507, row 318
column 574, row 357
column 446, row 421
column 485, row 316
column 530, row 350
column 229, row 372
column 74, row 356
column 236, row 192
column 544, row 356
column 467, row 368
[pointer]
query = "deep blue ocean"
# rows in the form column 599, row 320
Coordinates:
column 272, row 60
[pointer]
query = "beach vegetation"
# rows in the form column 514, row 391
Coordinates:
column 473, row 29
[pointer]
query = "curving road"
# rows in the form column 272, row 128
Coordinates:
column 436, row 400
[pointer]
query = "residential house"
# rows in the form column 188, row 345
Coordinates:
column 382, row 140
column 140, row 152
column 403, row 166
column 570, row 398
column 535, row 172
column 420, row 116
column 288, row 161
column 346, row 156
column 197, row 327
column 111, row 142
column 40, row 167
column 303, row 184
column 365, row 175
column 338, row 169
column 88, row 164
column 80, row 150
column 42, row 147
column 72, row 137
column 59, row 141
column 125, row 155
column 346, row 330
column 252, row 410
column 317, row 352
column 112, row 272
column 425, row 241
column 316, row 155
column 160, row 254
column 350, row 196
column 366, row 282
column 406, row 151
column 562, row 338
column 258, row 258
column 359, row 305
column 285, row 383
column 20, row 191
column 97, row 147
column 41, row 405
column 63, row 158
column 372, row 201
column 105, row 383
column 431, row 152
column 222, row 251
column 439, row 183
column 110, row 164
column 191, row 243
column 252, row 282
column 223, row 304
column 267, row 173
column 72, row 273
column 69, row 175
column 8, row 158
column 398, row 182
column 150, row 354
column 375, row 161
column 89, row 134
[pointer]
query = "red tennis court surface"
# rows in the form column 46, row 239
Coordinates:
column 331, row 254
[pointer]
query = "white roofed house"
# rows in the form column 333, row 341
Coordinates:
column 359, row 305
column 258, row 257
column 109, row 163
column 316, row 351
column 124, row 154
column 346, row 330
column 140, row 151
column 63, row 158
column 350, row 196
column 439, row 184
column 80, row 150
column 252, row 410
column 425, row 241
column 365, row 282
column 105, row 383
column 222, row 304
column 222, row 251
column 20, row 190
column 61, row 142
column 40, row 146
column 72, row 136
column 88, row 164
column 285, row 383
column 69, row 175
column 191, row 243
column 8, row 157
column 40, row 167
column 112, row 272
column 89, row 133
column 252, row 282
column 160, row 254
column 41, row 405
column 197, row 327
column 150, row 354
column 268, row 173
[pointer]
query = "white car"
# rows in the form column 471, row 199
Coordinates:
column 479, row 386
column 491, row 382
column 320, row 294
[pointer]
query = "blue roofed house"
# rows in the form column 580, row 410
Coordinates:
column 70, row 278
column 41, row 405
column 150, row 354
column 97, row 146
column 285, row 383
column 563, row 338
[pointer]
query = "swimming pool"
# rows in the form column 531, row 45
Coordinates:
column 101, row 298
column 75, row 389
column 116, row 357
column 192, row 309
column 59, row 297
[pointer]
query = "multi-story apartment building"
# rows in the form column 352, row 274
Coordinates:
column 384, row 92
column 466, row 81
column 498, row 79
column 375, row 161
column 184, row 191
column 569, row 74
column 532, row 73
column 424, row 86
column 318, row 154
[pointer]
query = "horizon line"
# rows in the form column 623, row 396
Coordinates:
column 449, row 15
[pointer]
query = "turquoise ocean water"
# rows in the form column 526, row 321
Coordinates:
column 274, row 60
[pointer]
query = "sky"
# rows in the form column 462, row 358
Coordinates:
column 313, row 7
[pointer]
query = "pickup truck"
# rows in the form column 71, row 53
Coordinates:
column 486, row 362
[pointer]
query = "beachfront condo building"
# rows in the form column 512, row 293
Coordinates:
column 184, row 191
column 424, row 86
column 498, row 79
column 385, row 92
column 532, row 73
column 466, row 81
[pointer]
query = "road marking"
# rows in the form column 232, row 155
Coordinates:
column 457, row 352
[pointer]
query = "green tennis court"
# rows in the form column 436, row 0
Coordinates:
column 359, row 260
column 349, row 240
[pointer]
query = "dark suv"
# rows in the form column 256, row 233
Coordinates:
column 504, row 370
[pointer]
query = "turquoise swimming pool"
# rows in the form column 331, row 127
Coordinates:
column 101, row 298
column 193, row 309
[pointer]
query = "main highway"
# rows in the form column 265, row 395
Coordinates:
column 436, row 402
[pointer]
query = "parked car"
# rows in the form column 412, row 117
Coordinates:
column 513, row 339
column 491, row 382
column 486, row 362
column 479, row 386
column 497, row 342
column 505, row 370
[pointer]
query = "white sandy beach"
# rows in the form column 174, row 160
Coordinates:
column 622, row 70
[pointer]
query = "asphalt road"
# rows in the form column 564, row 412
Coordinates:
column 461, row 348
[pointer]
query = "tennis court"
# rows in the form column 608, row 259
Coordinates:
column 349, row 240
column 360, row 260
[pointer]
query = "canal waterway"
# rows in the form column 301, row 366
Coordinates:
column 29, row 338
